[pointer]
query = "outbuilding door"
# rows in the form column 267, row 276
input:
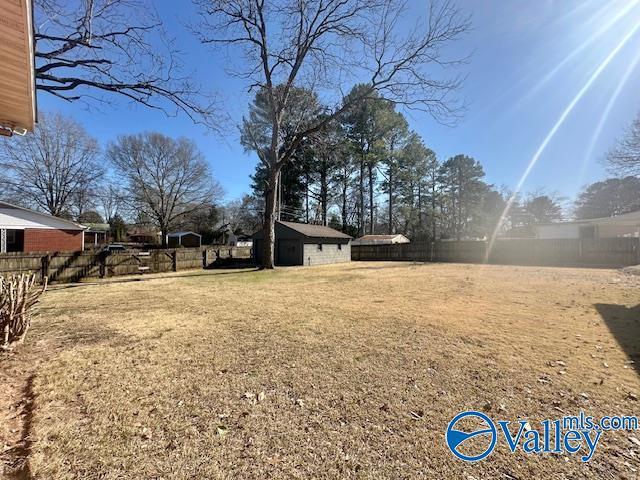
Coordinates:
column 288, row 252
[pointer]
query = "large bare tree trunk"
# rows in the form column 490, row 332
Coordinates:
column 164, row 231
column 268, row 252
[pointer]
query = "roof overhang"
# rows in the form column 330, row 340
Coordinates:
column 17, row 68
column 65, row 224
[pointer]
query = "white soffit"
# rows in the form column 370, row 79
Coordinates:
column 17, row 72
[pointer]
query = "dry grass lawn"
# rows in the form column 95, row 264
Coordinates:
column 342, row 371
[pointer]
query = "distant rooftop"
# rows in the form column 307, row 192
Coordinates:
column 181, row 234
column 631, row 217
column 97, row 227
column 380, row 237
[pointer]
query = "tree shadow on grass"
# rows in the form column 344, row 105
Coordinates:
column 169, row 275
column 18, row 370
column 624, row 324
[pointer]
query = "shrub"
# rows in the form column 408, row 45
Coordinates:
column 18, row 295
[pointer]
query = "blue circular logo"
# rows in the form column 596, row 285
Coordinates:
column 456, row 438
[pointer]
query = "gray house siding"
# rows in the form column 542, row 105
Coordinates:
column 330, row 253
column 257, row 250
column 297, row 244
column 288, row 252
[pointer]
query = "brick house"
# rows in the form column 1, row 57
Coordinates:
column 303, row 244
column 24, row 230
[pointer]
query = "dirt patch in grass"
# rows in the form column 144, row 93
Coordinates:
column 344, row 371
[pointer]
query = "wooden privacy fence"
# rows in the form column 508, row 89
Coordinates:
column 602, row 252
column 75, row 266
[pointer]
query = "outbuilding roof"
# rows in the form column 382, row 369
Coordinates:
column 305, row 230
column 314, row 231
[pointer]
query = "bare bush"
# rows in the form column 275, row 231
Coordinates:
column 18, row 296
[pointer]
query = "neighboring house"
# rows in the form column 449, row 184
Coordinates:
column 303, row 244
column 142, row 234
column 380, row 239
column 239, row 240
column 184, row 239
column 244, row 241
column 96, row 234
column 17, row 68
column 24, row 230
column 626, row 225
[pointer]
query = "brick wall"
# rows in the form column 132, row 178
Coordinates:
column 42, row 240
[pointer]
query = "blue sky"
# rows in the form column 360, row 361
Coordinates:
column 513, row 101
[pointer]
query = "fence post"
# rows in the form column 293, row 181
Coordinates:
column 580, row 251
column 102, row 264
column 44, row 267
column 174, row 260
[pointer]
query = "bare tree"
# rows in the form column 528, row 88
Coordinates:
column 56, row 169
column 325, row 43
column 164, row 179
column 111, row 200
column 87, row 48
column 624, row 158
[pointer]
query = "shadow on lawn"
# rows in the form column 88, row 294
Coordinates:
column 624, row 324
column 16, row 458
column 207, row 273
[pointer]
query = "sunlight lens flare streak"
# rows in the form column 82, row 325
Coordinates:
column 605, row 115
column 554, row 130
column 596, row 35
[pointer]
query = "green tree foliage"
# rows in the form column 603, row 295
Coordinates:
column 118, row 228
column 345, row 171
column 396, row 132
column 256, row 137
column 543, row 209
column 607, row 198
column 417, row 182
column 367, row 124
column 461, row 177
